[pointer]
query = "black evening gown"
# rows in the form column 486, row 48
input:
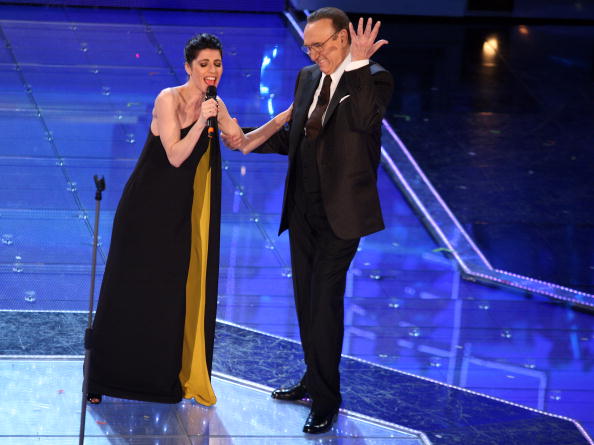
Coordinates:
column 153, row 332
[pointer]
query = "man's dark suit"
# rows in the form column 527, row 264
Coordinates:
column 330, row 201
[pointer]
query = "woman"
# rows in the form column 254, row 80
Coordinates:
column 153, row 333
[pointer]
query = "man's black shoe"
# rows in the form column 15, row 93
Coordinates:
column 318, row 423
column 296, row 392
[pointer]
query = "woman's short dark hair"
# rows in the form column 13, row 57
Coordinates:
column 200, row 42
column 339, row 18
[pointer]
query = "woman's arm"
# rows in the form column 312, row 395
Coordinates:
column 231, row 130
column 257, row 137
column 179, row 149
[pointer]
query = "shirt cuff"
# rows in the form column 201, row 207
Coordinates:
column 356, row 65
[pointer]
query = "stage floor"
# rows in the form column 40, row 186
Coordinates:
column 48, row 412
column 78, row 87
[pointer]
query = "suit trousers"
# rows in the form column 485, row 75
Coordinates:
column 320, row 262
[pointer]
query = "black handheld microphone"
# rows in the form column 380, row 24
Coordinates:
column 211, row 93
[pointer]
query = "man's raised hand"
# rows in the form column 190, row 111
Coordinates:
column 363, row 44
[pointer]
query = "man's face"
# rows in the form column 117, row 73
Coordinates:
column 327, row 48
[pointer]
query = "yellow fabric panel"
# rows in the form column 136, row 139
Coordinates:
column 194, row 373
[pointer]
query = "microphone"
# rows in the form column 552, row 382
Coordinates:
column 211, row 93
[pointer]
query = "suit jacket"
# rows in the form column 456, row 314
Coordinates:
column 348, row 147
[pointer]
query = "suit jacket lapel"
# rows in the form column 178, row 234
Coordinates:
column 335, row 100
column 303, row 99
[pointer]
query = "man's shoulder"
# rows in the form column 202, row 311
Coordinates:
column 310, row 69
column 376, row 68
column 308, row 72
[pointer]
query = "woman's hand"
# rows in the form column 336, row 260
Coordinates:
column 209, row 108
column 231, row 132
column 233, row 136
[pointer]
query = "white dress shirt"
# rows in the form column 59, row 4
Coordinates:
column 346, row 65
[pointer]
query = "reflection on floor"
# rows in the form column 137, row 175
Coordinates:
column 436, row 413
column 82, row 106
column 48, row 412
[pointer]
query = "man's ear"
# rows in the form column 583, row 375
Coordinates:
column 344, row 36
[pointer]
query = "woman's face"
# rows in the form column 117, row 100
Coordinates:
column 206, row 69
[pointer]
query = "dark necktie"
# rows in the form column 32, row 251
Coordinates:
column 314, row 123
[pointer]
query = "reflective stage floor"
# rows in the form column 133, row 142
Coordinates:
column 48, row 412
column 418, row 337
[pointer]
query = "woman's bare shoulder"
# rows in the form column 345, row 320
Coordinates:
column 169, row 94
column 166, row 103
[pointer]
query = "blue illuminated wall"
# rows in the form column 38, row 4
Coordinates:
column 536, row 9
column 446, row 8
column 218, row 5
column 555, row 9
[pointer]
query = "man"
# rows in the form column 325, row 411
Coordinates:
column 331, row 198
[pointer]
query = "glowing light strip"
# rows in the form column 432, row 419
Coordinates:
column 556, row 296
column 439, row 199
column 546, row 283
column 422, row 208
column 292, row 21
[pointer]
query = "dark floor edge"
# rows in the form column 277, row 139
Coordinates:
column 364, row 398
column 387, row 368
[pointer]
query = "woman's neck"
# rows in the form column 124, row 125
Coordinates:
column 191, row 95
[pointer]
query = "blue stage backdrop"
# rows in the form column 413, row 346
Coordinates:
column 443, row 8
column 537, row 9
column 217, row 5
